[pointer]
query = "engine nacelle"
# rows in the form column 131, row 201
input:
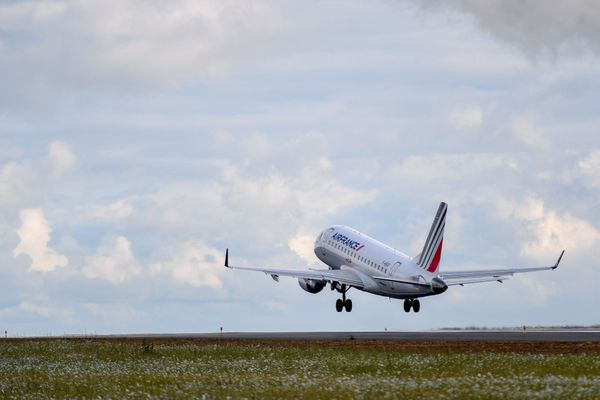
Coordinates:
column 311, row 285
column 438, row 286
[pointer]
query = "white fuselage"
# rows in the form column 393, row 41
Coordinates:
column 342, row 247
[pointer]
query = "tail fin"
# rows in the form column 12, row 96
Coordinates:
column 429, row 259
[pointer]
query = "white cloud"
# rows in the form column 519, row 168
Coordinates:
column 113, row 312
column 35, row 235
column 257, row 147
column 589, row 167
column 554, row 232
column 114, row 211
column 528, row 209
column 538, row 290
column 45, row 311
column 193, row 263
column 447, row 169
column 303, row 245
column 61, row 158
column 14, row 13
column 113, row 262
column 466, row 118
column 108, row 43
column 243, row 202
column 301, row 199
column 547, row 231
column 16, row 183
column 222, row 138
column 526, row 129
column 35, row 309
column 23, row 182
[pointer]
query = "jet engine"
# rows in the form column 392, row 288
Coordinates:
column 311, row 285
column 438, row 286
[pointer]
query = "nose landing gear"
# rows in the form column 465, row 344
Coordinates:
column 343, row 303
column 415, row 304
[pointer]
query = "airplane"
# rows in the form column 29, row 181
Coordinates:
column 358, row 261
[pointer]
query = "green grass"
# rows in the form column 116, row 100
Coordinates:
column 104, row 369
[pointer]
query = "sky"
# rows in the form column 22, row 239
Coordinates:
column 139, row 139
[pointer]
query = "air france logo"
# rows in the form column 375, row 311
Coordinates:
column 347, row 241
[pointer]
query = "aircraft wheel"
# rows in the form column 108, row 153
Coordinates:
column 416, row 305
column 339, row 305
column 407, row 305
column 348, row 305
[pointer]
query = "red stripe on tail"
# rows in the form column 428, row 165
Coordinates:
column 436, row 259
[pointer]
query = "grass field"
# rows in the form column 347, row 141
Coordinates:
column 53, row 368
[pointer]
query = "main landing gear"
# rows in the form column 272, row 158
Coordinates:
column 343, row 303
column 415, row 304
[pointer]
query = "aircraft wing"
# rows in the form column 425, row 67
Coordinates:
column 344, row 276
column 488, row 275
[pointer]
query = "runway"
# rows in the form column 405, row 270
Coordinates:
column 530, row 335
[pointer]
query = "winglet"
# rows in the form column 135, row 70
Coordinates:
column 558, row 261
column 227, row 257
